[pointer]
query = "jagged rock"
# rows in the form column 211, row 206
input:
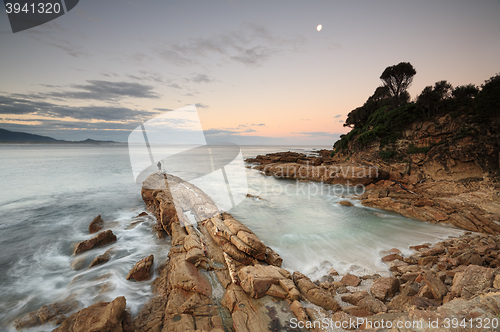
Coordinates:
column 96, row 225
column 410, row 288
column 256, row 280
column 142, row 214
column 346, row 203
column 299, row 311
column 354, row 298
column 391, row 257
column 99, row 240
column 472, row 281
column 272, row 258
column 470, row 257
column 313, row 293
column 496, row 282
column 103, row 317
column 423, row 302
column 384, row 288
column 400, row 302
column 52, row 313
column 435, row 285
column 289, row 286
column 372, row 304
column 277, row 291
column 141, row 270
column 396, row 265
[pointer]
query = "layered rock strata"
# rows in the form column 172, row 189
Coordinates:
column 219, row 275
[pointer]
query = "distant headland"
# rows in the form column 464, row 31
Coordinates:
column 17, row 137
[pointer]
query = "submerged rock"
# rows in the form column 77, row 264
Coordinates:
column 101, row 259
column 53, row 313
column 103, row 317
column 99, row 240
column 96, row 225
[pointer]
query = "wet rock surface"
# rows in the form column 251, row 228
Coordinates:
column 103, row 316
column 100, row 240
column 96, row 225
column 141, row 270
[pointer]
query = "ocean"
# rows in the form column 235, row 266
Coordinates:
column 50, row 193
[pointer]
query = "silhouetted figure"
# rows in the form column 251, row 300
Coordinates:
column 159, row 166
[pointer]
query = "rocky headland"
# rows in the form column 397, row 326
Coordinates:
column 437, row 177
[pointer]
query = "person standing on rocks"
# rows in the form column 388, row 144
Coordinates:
column 159, row 166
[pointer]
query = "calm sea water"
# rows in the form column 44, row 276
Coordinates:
column 50, row 193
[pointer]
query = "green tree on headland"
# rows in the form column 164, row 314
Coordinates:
column 397, row 79
column 432, row 97
column 388, row 112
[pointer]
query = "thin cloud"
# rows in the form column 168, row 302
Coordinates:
column 106, row 90
column 201, row 78
column 200, row 105
column 252, row 46
column 337, row 116
column 317, row 134
column 17, row 106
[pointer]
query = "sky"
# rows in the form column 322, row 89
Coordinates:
column 258, row 71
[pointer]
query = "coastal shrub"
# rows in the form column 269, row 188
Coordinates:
column 488, row 100
column 412, row 149
column 387, row 154
column 464, row 132
column 343, row 144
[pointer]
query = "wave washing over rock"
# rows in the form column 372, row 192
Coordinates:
column 219, row 276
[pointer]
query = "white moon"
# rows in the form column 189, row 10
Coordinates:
column 319, row 27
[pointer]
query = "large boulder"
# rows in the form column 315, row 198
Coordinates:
column 472, row 281
column 385, row 288
column 99, row 240
column 372, row 304
column 350, row 280
column 435, row 285
column 102, row 317
column 256, row 280
column 142, row 269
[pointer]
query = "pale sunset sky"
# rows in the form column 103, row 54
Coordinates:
column 259, row 71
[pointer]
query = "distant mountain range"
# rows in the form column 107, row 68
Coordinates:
column 7, row 136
